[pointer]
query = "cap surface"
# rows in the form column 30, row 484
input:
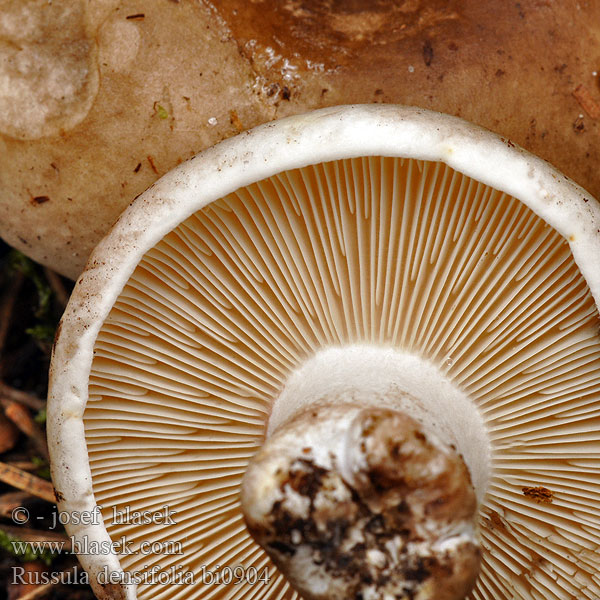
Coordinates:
column 112, row 110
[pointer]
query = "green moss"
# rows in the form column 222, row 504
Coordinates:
column 41, row 332
column 43, row 468
column 40, row 417
column 25, row 551
column 19, row 262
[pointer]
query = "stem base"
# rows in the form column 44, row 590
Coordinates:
column 363, row 503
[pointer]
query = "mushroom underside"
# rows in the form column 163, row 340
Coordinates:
column 380, row 251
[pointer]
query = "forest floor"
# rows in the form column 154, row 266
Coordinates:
column 32, row 299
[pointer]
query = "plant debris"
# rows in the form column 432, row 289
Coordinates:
column 27, row 482
column 32, row 299
column 152, row 164
column 586, row 101
column 161, row 111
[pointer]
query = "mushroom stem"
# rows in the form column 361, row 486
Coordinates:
column 368, row 483
column 362, row 502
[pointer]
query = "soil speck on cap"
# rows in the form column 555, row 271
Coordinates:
column 578, row 125
column 427, row 53
column 235, row 120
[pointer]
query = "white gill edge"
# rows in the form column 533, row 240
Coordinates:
column 294, row 142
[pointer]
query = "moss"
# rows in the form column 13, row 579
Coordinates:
column 20, row 263
column 25, row 551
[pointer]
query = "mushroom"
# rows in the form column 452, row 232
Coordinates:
column 95, row 104
column 368, row 332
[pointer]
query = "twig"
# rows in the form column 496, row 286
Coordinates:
column 57, row 286
column 12, row 500
column 40, row 591
column 27, row 482
column 19, row 415
column 9, row 434
column 24, row 398
column 24, row 465
column 23, row 420
column 44, row 589
column 23, row 586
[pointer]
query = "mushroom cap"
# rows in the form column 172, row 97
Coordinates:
column 384, row 225
column 96, row 108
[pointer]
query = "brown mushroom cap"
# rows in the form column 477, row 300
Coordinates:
column 97, row 101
